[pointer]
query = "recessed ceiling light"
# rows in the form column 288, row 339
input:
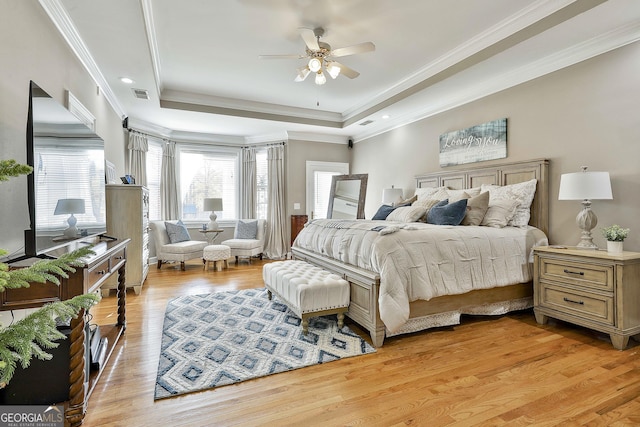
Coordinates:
column 386, row 116
column 126, row 80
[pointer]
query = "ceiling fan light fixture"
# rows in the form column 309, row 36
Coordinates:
column 302, row 74
column 315, row 64
column 320, row 78
column 333, row 70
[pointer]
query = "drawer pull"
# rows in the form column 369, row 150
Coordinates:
column 580, row 273
column 572, row 301
column 101, row 272
column 120, row 257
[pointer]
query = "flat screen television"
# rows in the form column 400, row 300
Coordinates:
column 66, row 191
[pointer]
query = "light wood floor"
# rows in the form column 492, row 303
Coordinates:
column 488, row 371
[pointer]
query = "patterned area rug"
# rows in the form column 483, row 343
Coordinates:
column 227, row 337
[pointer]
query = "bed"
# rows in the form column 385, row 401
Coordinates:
column 387, row 301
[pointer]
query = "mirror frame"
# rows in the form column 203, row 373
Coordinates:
column 361, row 197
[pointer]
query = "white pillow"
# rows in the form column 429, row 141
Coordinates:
column 439, row 193
column 407, row 214
column 455, row 195
column 499, row 213
column 521, row 192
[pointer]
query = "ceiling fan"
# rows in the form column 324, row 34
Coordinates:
column 321, row 57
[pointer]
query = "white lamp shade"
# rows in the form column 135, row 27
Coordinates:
column 320, row 78
column 213, row 204
column 69, row 206
column 585, row 186
column 391, row 195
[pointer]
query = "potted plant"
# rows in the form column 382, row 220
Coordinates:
column 34, row 334
column 615, row 236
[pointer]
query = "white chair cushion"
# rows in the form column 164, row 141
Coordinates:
column 184, row 247
column 242, row 243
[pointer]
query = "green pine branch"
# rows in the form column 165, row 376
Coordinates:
column 43, row 270
column 32, row 336
column 11, row 168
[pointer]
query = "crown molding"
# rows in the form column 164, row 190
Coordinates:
column 318, row 137
column 248, row 106
column 501, row 31
column 150, row 27
column 595, row 46
column 60, row 18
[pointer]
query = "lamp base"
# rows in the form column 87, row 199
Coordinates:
column 72, row 231
column 213, row 225
column 586, row 220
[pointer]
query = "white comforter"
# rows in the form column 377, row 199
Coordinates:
column 422, row 261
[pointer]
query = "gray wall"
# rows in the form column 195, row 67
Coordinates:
column 31, row 48
column 586, row 114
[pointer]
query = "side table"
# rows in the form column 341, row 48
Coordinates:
column 211, row 235
column 590, row 288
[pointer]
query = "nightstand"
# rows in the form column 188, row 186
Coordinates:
column 590, row 288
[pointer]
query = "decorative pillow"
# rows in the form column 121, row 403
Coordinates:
column 406, row 202
column 476, row 209
column 427, row 204
column 455, row 195
column 406, row 214
column 445, row 213
column 383, row 212
column 177, row 232
column 499, row 214
column 246, row 229
column 521, row 192
column 439, row 193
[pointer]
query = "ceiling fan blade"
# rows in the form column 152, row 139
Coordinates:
column 346, row 71
column 309, row 38
column 352, row 50
column 281, row 57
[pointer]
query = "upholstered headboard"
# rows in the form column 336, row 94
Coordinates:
column 502, row 174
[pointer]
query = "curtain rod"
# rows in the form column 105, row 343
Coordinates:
column 148, row 134
column 266, row 144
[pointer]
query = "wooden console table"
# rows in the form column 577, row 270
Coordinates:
column 110, row 259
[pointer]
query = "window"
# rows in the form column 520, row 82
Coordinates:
column 262, row 178
column 56, row 167
column 205, row 174
column 154, row 171
column 319, row 178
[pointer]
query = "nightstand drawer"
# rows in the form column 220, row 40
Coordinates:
column 588, row 275
column 583, row 304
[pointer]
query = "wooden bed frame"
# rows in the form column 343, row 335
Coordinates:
column 445, row 310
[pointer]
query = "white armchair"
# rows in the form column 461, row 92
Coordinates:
column 245, row 242
column 167, row 251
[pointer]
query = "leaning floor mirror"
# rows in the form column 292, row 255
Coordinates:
column 346, row 200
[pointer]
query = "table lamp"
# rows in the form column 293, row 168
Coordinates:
column 391, row 196
column 70, row 206
column 585, row 186
column 212, row 205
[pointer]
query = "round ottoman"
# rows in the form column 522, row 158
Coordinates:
column 218, row 254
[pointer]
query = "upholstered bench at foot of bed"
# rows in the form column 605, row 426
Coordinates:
column 307, row 290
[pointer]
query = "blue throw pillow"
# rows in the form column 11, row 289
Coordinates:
column 177, row 232
column 383, row 212
column 445, row 213
column 246, row 229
